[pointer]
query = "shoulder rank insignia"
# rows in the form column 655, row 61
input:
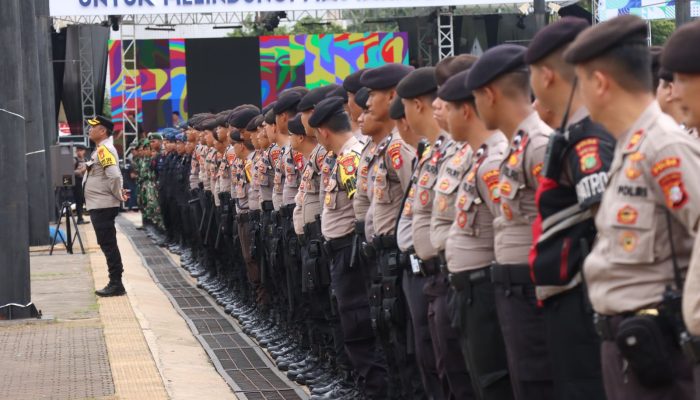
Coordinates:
column 394, row 152
column 105, row 157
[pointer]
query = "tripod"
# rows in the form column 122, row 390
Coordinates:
column 68, row 214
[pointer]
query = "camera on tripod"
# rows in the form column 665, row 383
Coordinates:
column 62, row 165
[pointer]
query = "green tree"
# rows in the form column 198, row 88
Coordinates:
column 661, row 29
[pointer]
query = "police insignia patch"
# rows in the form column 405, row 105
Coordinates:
column 663, row 165
column 444, row 184
column 633, row 173
column 394, row 152
column 634, row 140
column 505, row 188
column 627, row 215
column 407, row 209
column 462, row 219
column 348, row 177
column 299, row 160
column 674, row 190
column 537, row 169
column 461, row 201
column 589, row 157
column 105, row 157
column 628, row 241
column 491, row 178
column 424, row 197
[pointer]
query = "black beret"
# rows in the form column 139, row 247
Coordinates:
column 287, row 101
column 296, row 127
column 222, row 118
column 208, row 123
column 494, row 63
column 361, row 97
column 665, row 74
column 553, row 37
column 302, row 90
column 417, row 83
column 455, row 88
column 100, row 120
column 240, row 118
column 236, row 136
column 396, row 110
column 326, row 109
column 352, row 81
column 314, row 96
column 255, row 123
column 270, row 118
column 339, row 92
column 268, row 108
column 593, row 42
column 680, row 54
column 385, row 77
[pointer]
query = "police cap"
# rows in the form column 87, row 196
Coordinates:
column 352, row 82
column 287, row 101
column 268, row 108
column 553, row 37
column 296, row 127
column 455, row 88
column 255, row 123
column 101, row 120
column 385, row 77
column 222, row 118
column 325, row 110
column 180, row 137
column 310, row 100
column 417, row 83
column 270, row 118
column 361, row 97
column 494, row 63
column 397, row 110
column 680, row 54
column 599, row 39
column 235, row 136
column 208, row 123
column 339, row 92
column 240, row 118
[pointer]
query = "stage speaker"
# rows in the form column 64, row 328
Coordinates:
column 62, row 165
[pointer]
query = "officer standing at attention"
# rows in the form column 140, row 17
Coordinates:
column 337, row 226
column 418, row 91
column 102, row 185
column 573, row 179
column 501, row 87
column 469, row 187
column 646, row 219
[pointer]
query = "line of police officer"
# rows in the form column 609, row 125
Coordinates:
column 366, row 233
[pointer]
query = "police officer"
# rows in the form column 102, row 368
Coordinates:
column 575, row 175
column 337, row 226
column 102, row 185
column 467, row 197
column 499, row 81
column 634, row 272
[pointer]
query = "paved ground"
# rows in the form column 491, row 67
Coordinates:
column 133, row 347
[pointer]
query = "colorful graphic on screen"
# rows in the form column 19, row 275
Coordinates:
column 646, row 9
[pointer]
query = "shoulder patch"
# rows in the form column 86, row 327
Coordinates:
column 492, row 181
column 663, row 165
column 674, row 190
column 105, row 157
column 348, row 172
column 589, row 157
column 394, row 152
column 299, row 161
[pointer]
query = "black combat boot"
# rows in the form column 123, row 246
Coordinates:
column 112, row 289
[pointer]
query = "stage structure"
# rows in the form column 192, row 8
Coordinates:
column 125, row 15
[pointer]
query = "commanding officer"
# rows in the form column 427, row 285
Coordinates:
column 337, row 225
column 500, row 83
column 573, row 182
column 418, row 91
column 389, row 176
column 646, row 218
column 469, row 187
column 102, row 184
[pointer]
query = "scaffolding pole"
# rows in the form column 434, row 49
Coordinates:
column 130, row 83
column 446, row 34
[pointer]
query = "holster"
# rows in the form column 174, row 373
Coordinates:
column 314, row 266
column 375, row 308
column 356, row 252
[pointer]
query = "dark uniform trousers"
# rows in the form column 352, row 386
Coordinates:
column 103, row 223
column 245, row 236
column 524, row 332
column 348, row 286
column 452, row 369
column 574, row 347
column 425, row 355
column 622, row 384
column 472, row 305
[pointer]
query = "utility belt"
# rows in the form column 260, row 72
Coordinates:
column 334, row 245
column 314, row 265
column 267, row 206
column 243, row 217
column 510, row 274
column 463, row 280
column 287, row 211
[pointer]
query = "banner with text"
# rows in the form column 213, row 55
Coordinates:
column 125, row 7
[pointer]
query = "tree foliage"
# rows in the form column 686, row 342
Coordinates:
column 661, row 29
column 306, row 25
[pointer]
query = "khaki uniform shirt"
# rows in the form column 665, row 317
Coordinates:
column 293, row 164
column 653, row 172
column 242, row 183
column 389, row 174
column 194, row 168
column 470, row 242
column 278, row 179
column 338, row 216
column 427, row 173
column 519, row 179
column 254, row 186
column 102, row 183
column 361, row 202
column 267, row 172
column 451, row 173
column 206, row 167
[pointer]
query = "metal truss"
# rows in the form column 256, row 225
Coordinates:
column 130, row 85
column 445, row 35
column 425, row 45
column 87, row 86
column 218, row 18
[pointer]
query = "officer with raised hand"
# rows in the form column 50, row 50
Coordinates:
column 500, row 83
column 337, row 226
column 646, row 219
column 574, row 178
